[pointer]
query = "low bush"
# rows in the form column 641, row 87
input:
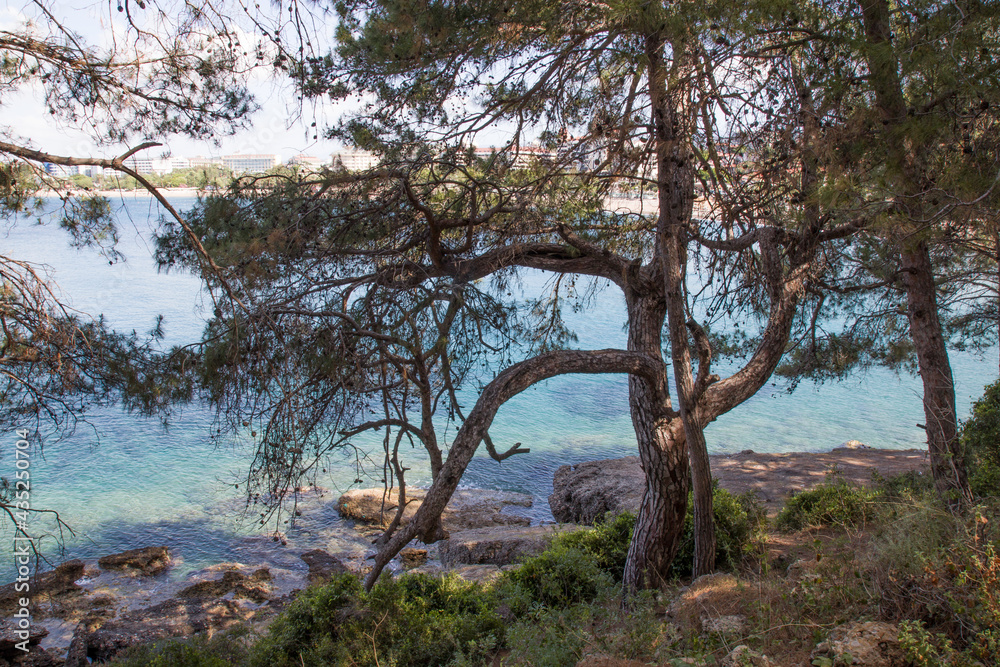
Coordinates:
column 832, row 504
column 940, row 574
column 560, row 576
column 981, row 437
column 225, row 649
column 414, row 620
column 740, row 521
column 607, row 543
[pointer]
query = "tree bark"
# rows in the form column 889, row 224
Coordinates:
column 948, row 464
column 671, row 117
column 662, row 452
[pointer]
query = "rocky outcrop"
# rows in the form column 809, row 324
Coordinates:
column 148, row 561
column 11, row 635
column 868, row 643
column 233, row 581
column 583, row 492
column 173, row 618
column 47, row 584
column 468, row 508
column 411, row 558
column 587, row 491
column 322, row 566
column 497, row 546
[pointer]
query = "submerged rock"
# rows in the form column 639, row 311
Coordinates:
column 585, row 492
column 498, row 546
column 148, row 561
column 322, row 566
column 468, row 508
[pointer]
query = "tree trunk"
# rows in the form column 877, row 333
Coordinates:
column 948, row 464
column 510, row 382
column 660, row 437
column 671, row 117
column 947, row 459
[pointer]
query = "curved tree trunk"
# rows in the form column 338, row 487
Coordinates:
column 506, row 385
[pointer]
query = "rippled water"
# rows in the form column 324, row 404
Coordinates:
column 128, row 482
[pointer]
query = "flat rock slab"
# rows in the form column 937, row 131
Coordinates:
column 584, row 492
column 468, row 508
column 148, row 561
column 173, row 618
column 498, row 546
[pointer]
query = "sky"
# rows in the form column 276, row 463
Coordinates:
column 279, row 127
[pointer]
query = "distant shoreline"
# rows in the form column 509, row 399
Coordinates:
column 138, row 192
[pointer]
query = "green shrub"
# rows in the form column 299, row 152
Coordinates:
column 981, row 437
column 607, row 543
column 550, row 637
column 227, row 649
column 833, row 504
column 414, row 620
column 740, row 520
column 560, row 576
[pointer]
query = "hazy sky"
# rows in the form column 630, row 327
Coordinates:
column 279, row 126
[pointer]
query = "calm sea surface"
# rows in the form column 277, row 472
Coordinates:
column 126, row 482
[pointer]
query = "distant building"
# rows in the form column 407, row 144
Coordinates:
column 142, row 165
column 354, row 160
column 249, row 164
column 308, row 161
column 202, row 161
column 60, row 171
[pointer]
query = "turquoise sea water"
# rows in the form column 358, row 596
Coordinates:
column 124, row 482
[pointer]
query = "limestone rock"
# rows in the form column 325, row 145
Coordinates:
column 868, row 643
column 413, row 557
column 322, row 566
column 235, row 582
column 173, row 618
column 497, row 546
column 744, row 656
column 584, row 492
column 9, row 638
column 57, row 582
column 148, row 561
column 468, row 508
column 728, row 624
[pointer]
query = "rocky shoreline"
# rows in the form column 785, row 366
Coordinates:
column 87, row 611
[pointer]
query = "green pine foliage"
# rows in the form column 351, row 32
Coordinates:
column 981, row 436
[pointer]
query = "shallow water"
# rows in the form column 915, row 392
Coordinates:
column 126, row 482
